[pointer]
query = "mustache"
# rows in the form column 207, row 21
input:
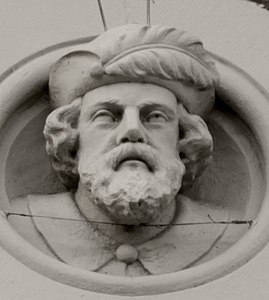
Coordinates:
column 134, row 151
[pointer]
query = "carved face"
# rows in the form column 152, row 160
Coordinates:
column 128, row 154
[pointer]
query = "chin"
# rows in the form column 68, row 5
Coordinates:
column 134, row 197
column 126, row 210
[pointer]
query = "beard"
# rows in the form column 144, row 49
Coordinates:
column 131, row 195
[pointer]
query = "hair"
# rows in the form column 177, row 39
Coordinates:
column 62, row 142
column 195, row 146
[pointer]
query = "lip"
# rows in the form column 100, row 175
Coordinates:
column 133, row 159
column 133, row 163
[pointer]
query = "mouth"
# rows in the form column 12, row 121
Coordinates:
column 134, row 163
column 134, row 160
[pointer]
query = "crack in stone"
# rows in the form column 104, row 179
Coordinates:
column 211, row 222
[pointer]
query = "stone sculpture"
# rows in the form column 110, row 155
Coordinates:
column 127, row 137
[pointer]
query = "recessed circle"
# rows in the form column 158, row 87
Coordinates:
column 237, row 90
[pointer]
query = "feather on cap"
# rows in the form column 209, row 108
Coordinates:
column 154, row 54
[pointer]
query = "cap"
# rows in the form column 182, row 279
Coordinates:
column 155, row 54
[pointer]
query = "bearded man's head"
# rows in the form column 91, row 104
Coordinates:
column 127, row 124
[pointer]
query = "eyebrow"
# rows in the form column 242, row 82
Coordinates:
column 153, row 106
column 113, row 103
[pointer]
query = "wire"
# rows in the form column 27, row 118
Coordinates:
column 148, row 12
column 102, row 14
column 236, row 222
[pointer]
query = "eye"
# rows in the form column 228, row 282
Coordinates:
column 156, row 117
column 104, row 116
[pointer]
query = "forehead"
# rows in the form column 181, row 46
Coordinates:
column 130, row 94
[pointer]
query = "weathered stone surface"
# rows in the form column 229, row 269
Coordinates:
column 246, row 152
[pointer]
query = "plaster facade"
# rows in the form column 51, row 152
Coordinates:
column 253, row 42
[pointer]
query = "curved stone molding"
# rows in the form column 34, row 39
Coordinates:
column 27, row 80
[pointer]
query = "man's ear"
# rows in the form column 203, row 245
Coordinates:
column 62, row 142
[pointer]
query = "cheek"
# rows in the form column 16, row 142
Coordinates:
column 93, row 142
column 167, row 141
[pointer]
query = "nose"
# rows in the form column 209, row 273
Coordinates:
column 131, row 129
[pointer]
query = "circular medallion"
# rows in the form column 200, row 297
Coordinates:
column 239, row 126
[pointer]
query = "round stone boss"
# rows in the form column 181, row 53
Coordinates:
column 28, row 80
column 126, row 253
